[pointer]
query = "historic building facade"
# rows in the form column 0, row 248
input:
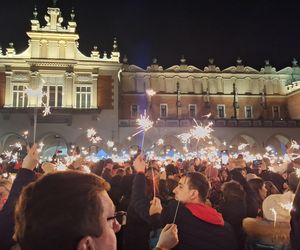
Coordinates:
column 257, row 107
column 81, row 90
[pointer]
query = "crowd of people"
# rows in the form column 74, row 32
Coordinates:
column 146, row 204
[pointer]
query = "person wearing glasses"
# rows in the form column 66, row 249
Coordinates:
column 70, row 210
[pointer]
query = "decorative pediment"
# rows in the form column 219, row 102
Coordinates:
column 240, row 69
column 132, row 68
column 183, row 67
column 286, row 70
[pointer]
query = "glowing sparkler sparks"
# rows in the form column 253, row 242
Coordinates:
column 207, row 116
column 242, row 146
column 17, row 145
column 274, row 214
column 25, row 134
column 294, row 145
column 160, row 141
column 288, row 206
column 201, row 132
column 150, row 92
column 46, row 111
column 144, row 123
column 110, row 143
column 268, row 149
column 184, row 137
column 92, row 135
column 34, row 92
column 7, row 154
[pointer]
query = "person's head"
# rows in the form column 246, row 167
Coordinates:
column 128, row 170
column 259, row 188
column 233, row 190
column 120, row 172
column 223, row 175
column 66, row 210
column 5, row 186
column 271, row 188
column 108, row 164
column 152, row 172
column 192, row 188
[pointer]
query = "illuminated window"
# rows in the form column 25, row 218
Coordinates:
column 53, row 95
column 221, row 110
column 192, row 110
column 163, row 110
column 83, row 97
column 20, row 99
column 276, row 112
column 134, row 110
column 248, row 112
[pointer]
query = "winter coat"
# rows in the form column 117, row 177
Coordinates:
column 139, row 222
column 199, row 227
column 7, row 223
column 234, row 212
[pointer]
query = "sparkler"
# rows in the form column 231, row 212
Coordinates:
column 150, row 92
column 176, row 211
column 274, row 214
column 39, row 94
column 294, row 145
column 201, row 132
column 92, row 135
column 144, row 124
column 242, row 146
column 184, row 137
column 160, row 141
column 110, row 143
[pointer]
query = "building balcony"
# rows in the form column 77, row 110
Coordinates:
column 217, row 123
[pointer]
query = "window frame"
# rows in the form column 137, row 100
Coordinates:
column 160, row 113
column 245, row 109
column 18, row 97
column 137, row 110
column 224, row 109
column 192, row 105
column 273, row 113
column 75, row 95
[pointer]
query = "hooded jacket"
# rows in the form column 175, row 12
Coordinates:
column 199, row 227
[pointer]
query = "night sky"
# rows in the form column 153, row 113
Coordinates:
column 253, row 30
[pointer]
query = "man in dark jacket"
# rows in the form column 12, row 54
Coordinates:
column 199, row 225
column 25, row 175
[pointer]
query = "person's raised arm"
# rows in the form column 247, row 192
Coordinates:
column 25, row 176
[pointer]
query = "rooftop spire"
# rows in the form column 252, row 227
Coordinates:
column 35, row 13
column 72, row 14
column 54, row 3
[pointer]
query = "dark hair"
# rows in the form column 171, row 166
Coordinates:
column 256, row 184
column 199, row 182
column 56, row 211
column 233, row 191
column 271, row 188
